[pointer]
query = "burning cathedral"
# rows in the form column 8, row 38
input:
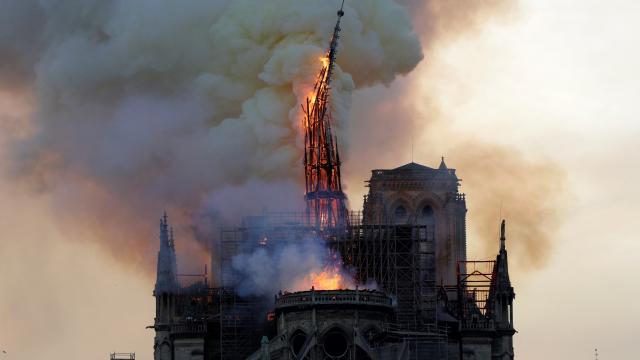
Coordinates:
column 412, row 292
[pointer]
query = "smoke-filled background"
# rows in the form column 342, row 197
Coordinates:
column 111, row 112
column 147, row 105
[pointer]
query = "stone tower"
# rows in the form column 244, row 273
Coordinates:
column 415, row 194
column 166, row 285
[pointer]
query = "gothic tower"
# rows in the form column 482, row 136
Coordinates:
column 415, row 194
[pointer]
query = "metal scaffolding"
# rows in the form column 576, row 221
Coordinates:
column 239, row 334
column 237, row 326
column 475, row 283
column 401, row 261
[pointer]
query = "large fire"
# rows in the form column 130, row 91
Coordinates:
column 332, row 277
column 321, row 77
column 326, row 203
column 328, row 279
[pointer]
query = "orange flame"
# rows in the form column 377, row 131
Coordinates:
column 329, row 279
column 325, row 64
column 325, row 61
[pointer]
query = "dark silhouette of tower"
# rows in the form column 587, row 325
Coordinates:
column 502, row 297
column 326, row 203
column 167, row 277
column 164, row 291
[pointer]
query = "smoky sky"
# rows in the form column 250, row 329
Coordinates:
column 146, row 106
column 499, row 180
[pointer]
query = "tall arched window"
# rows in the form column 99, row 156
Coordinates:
column 400, row 215
column 298, row 340
column 427, row 216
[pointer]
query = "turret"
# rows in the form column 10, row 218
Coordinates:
column 502, row 295
column 167, row 279
column 166, row 287
column 502, row 291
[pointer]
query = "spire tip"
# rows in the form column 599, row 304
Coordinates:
column 442, row 166
column 503, row 237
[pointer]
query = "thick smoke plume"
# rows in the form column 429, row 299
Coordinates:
column 532, row 191
column 147, row 105
column 141, row 106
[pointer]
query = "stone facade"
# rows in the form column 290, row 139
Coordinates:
column 328, row 324
column 416, row 194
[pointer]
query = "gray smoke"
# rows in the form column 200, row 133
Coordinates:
column 147, row 105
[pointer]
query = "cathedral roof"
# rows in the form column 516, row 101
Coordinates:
column 415, row 170
column 413, row 166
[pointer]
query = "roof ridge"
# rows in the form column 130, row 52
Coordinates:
column 413, row 166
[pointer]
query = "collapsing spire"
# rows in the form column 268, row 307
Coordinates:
column 326, row 203
column 167, row 274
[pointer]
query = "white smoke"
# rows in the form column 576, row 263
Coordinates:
column 285, row 266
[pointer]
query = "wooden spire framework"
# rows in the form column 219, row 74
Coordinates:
column 326, row 203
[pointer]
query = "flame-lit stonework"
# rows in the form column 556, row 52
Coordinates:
column 409, row 244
